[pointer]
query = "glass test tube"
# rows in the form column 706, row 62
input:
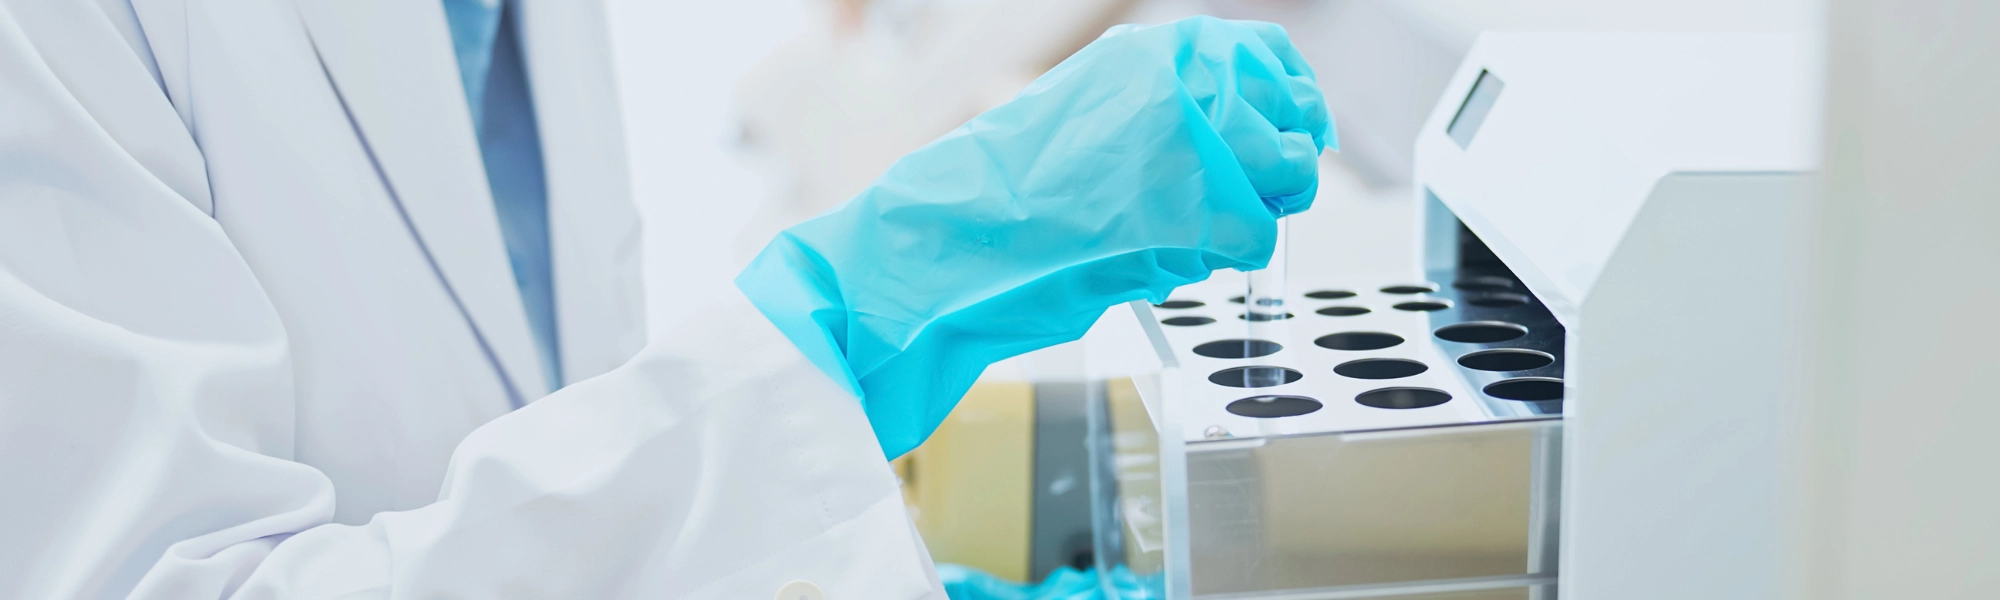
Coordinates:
column 1264, row 311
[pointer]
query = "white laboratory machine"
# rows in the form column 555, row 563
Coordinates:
column 1575, row 397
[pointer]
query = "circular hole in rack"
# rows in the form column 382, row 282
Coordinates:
column 1359, row 340
column 1527, row 389
column 1329, row 294
column 1254, row 377
column 1483, row 282
column 1264, row 316
column 1179, row 304
column 1410, row 289
column 1186, row 321
column 1238, row 348
column 1424, row 305
column 1481, row 332
column 1273, row 406
column 1380, row 368
column 1236, row 299
column 1498, row 300
column 1342, row 311
column 1506, row 359
column 1403, row 398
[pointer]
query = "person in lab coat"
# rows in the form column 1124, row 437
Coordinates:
column 283, row 286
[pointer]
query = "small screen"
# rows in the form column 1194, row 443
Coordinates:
column 1472, row 112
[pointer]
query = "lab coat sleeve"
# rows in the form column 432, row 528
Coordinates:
column 146, row 411
column 719, row 466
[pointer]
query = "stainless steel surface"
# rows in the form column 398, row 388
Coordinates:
column 1371, row 514
column 1062, row 517
column 1472, row 588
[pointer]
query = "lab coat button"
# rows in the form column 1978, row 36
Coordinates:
column 800, row 590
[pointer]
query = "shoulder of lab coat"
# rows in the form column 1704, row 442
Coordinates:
column 147, row 411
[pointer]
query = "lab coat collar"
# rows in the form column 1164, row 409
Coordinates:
column 392, row 63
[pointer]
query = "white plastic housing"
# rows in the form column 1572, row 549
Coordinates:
column 1648, row 188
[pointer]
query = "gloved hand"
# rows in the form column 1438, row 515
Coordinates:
column 1142, row 163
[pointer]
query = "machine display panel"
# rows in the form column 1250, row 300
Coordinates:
column 1472, row 112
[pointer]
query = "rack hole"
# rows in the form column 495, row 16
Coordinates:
column 1254, row 377
column 1186, row 321
column 1403, row 398
column 1380, row 368
column 1257, row 316
column 1342, row 311
column 1179, row 304
column 1498, row 300
column 1329, row 294
column 1483, row 282
column 1481, row 332
column 1238, row 348
column 1272, row 407
column 1506, row 359
column 1424, row 305
column 1410, row 289
column 1236, row 299
column 1359, row 340
column 1527, row 389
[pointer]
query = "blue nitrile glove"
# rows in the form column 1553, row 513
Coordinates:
column 1150, row 158
column 1064, row 583
column 967, row 583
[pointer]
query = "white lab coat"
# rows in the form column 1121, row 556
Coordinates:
column 258, row 335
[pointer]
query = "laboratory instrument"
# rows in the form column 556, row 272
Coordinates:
column 1551, row 401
